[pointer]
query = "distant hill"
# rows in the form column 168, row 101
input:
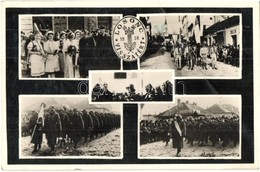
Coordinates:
column 223, row 109
column 56, row 102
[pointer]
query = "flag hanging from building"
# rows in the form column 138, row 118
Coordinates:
column 197, row 29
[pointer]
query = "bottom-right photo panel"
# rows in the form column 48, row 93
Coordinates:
column 194, row 127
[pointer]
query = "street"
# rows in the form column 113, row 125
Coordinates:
column 164, row 61
column 106, row 146
column 158, row 149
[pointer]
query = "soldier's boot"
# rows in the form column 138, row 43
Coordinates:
column 52, row 149
column 39, row 146
column 178, row 152
column 35, row 148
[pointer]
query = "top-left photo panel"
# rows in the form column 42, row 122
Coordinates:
column 66, row 47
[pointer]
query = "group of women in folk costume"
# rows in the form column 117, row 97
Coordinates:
column 52, row 57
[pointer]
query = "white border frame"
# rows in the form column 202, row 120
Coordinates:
column 69, row 157
column 91, row 72
column 113, row 4
column 202, row 14
column 57, row 15
column 195, row 158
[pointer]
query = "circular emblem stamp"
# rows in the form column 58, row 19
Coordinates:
column 129, row 38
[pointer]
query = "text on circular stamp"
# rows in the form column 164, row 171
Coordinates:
column 129, row 38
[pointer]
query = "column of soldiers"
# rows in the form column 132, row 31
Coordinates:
column 203, row 130
column 67, row 54
column 63, row 126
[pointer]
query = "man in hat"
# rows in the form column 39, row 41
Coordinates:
column 150, row 93
column 106, row 95
column 130, row 95
column 87, row 46
column 102, row 51
column 178, row 129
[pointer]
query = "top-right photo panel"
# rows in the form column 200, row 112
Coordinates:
column 195, row 45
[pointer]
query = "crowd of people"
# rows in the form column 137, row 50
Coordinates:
column 100, row 93
column 190, row 54
column 203, row 130
column 65, row 126
column 67, row 54
column 203, row 55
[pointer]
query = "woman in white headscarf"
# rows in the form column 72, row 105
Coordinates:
column 51, row 48
column 36, row 56
column 75, row 43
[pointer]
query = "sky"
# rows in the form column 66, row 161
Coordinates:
column 173, row 23
column 26, row 102
column 203, row 102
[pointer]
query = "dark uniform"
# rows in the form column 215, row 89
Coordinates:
column 178, row 128
column 36, row 130
column 52, row 128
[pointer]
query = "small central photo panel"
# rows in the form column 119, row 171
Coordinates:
column 67, row 126
column 131, row 86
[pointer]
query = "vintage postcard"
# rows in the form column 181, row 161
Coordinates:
column 129, row 85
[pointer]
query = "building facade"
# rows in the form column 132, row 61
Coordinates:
column 226, row 32
column 59, row 23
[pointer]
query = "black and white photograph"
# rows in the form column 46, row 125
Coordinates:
column 66, row 46
column 131, row 86
column 195, row 127
column 60, row 126
column 195, row 45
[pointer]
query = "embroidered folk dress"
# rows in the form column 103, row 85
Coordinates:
column 37, row 61
column 204, row 54
column 52, row 62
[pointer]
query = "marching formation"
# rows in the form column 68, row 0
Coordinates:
column 67, row 54
column 64, row 125
column 100, row 92
column 200, row 55
column 205, row 130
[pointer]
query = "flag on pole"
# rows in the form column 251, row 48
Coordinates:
column 41, row 112
column 36, row 29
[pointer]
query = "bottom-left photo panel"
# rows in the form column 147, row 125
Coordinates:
column 67, row 126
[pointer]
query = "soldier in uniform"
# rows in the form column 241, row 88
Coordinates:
column 178, row 129
column 51, row 128
column 36, row 126
column 78, row 127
